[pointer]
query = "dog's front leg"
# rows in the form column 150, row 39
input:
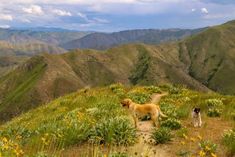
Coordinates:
column 135, row 120
column 194, row 122
column 200, row 121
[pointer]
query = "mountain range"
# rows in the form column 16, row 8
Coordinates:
column 103, row 41
column 204, row 61
column 22, row 43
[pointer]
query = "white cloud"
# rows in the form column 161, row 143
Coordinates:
column 99, row 20
column 61, row 12
column 33, row 9
column 6, row 17
column 25, row 20
column 193, row 10
column 204, row 10
column 86, row 25
column 91, row 21
column 83, row 16
column 5, row 26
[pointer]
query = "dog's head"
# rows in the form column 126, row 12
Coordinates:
column 196, row 110
column 126, row 102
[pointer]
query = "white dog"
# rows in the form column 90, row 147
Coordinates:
column 196, row 115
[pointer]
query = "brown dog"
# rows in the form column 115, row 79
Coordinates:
column 138, row 110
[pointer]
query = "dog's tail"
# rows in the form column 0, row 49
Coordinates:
column 162, row 115
column 157, row 97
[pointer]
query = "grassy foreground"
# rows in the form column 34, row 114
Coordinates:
column 93, row 122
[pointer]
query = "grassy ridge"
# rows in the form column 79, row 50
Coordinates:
column 210, row 56
column 22, row 83
column 84, row 117
column 128, row 64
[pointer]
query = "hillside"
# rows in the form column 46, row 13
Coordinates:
column 45, row 77
column 12, row 55
column 210, row 57
column 30, row 42
column 103, row 41
column 8, row 63
column 94, row 123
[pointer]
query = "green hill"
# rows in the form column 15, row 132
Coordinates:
column 45, row 77
column 210, row 57
column 92, row 122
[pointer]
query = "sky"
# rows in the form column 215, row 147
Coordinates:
column 115, row 15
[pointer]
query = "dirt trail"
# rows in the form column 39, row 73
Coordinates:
column 145, row 146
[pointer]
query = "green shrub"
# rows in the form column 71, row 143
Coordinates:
column 171, row 123
column 161, row 135
column 118, row 89
column 115, row 131
column 229, row 141
column 214, row 107
column 168, row 109
column 214, row 103
column 214, row 112
column 207, row 147
column 173, row 89
column 139, row 97
column 152, row 89
column 74, row 129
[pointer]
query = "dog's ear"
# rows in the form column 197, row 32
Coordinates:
column 199, row 109
column 126, row 102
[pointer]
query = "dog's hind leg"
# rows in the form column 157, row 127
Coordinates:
column 154, row 118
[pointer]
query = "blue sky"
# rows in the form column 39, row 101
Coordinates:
column 115, row 15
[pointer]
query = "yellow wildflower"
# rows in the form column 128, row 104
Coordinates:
column 18, row 137
column 183, row 143
column 43, row 139
column 192, row 139
column 4, row 139
column 105, row 155
column 199, row 137
column 202, row 153
column 207, row 148
column 213, row 155
column 185, row 136
column 0, row 154
column 18, row 152
column 5, row 147
column 60, row 135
